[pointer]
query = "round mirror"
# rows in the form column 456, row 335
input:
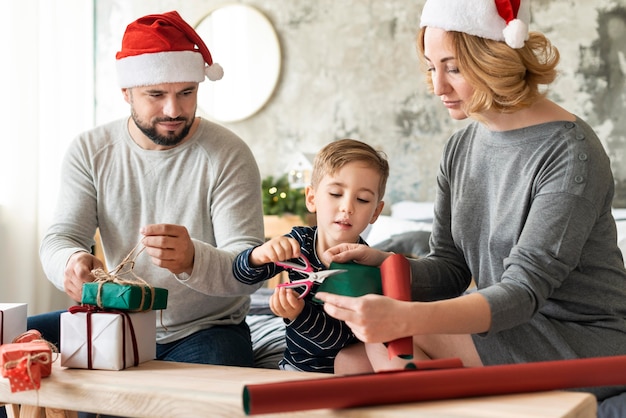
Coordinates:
column 243, row 41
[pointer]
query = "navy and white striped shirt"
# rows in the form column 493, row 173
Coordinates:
column 314, row 338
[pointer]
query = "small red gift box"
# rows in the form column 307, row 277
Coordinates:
column 32, row 335
column 28, row 336
column 22, row 363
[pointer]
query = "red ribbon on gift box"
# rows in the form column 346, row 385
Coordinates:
column 25, row 372
column 91, row 309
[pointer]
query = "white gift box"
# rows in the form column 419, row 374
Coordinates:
column 110, row 345
column 12, row 321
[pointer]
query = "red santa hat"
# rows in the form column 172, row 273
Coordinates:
column 500, row 20
column 163, row 48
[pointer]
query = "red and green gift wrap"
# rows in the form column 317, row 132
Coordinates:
column 130, row 297
column 392, row 279
column 24, row 364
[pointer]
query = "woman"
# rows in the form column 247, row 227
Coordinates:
column 523, row 207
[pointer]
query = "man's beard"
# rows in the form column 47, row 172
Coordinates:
column 169, row 140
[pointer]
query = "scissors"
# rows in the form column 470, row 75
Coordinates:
column 304, row 267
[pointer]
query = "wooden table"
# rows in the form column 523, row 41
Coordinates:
column 166, row 389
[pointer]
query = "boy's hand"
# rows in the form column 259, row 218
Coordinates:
column 284, row 302
column 277, row 249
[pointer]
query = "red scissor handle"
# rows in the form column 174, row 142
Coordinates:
column 304, row 264
column 307, row 284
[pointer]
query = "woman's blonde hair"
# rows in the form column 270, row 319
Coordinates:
column 504, row 79
column 338, row 153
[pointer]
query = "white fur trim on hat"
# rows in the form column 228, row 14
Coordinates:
column 479, row 18
column 160, row 67
column 515, row 33
column 214, row 72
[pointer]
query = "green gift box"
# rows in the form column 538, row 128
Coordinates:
column 357, row 280
column 125, row 297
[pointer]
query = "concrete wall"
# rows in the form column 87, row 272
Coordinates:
column 350, row 69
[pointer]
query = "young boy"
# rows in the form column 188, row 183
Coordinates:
column 347, row 186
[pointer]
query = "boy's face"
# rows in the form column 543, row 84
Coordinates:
column 345, row 203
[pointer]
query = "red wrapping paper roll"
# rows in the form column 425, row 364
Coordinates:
column 426, row 385
column 395, row 273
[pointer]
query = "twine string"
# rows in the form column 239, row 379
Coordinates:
column 41, row 358
column 33, row 336
column 125, row 268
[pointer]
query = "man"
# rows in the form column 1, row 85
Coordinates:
column 187, row 189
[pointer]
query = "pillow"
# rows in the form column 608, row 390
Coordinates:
column 260, row 302
column 386, row 226
column 266, row 330
column 410, row 244
column 414, row 211
column 268, row 339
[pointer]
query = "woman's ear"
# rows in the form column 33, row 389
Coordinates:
column 309, row 196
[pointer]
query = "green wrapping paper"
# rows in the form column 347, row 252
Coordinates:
column 358, row 280
column 135, row 298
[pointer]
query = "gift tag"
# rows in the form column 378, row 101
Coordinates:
column 21, row 379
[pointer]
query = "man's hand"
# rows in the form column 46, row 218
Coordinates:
column 169, row 246
column 78, row 271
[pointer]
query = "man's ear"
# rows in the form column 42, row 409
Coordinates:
column 309, row 196
column 377, row 212
column 126, row 93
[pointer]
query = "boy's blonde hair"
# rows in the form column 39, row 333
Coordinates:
column 338, row 153
column 505, row 79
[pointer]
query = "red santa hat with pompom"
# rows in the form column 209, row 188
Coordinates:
column 163, row 48
column 500, row 20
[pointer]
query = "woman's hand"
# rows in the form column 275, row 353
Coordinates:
column 372, row 318
column 359, row 253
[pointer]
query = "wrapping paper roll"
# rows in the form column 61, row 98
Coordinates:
column 426, row 385
column 392, row 279
column 395, row 273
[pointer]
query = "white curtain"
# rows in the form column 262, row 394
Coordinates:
column 47, row 99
